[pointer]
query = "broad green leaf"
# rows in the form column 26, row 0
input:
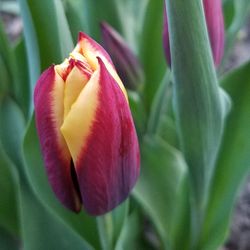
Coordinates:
column 5, row 50
column 31, row 43
column 8, row 196
column 138, row 112
column 7, row 241
column 167, row 131
column 14, row 71
column 159, row 186
column 160, row 121
column 228, row 12
column 86, row 15
column 233, row 162
column 23, row 87
column 151, row 49
column 198, row 102
column 12, row 125
column 8, row 62
column 78, row 15
column 159, row 105
column 4, row 77
column 83, row 224
column 50, row 28
column 64, row 34
column 131, row 15
column 42, row 229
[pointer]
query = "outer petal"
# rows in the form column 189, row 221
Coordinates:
column 107, row 164
column 48, row 99
column 91, row 50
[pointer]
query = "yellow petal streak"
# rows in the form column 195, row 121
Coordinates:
column 57, row 95
column 77, row 124
column 75, row 82
column 91, row 54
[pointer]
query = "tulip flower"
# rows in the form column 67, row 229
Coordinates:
column 87, row 135
column 127, row 64
column 215, row 26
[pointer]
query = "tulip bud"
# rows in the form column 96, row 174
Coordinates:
column 127, row 64
column 215, row 27
column 87, row 135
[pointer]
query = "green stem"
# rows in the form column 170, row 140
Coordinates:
column 105, row 229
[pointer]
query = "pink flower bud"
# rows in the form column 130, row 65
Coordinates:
column 127, row 64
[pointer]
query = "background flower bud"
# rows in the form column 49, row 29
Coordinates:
column 215, row 26
column 127, row 64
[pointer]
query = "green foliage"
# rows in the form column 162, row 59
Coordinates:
column 234, row 158
column 12, row 126
column 151, row 49
column 197, row 101
column 44, row 230
column 162, row 174
column 194, row 157
column 9, row 220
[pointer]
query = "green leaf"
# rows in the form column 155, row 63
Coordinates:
column 131, row 15
column 110, row 226
column 31, row 43
column 86, row 15
column 22, row 73
column 160, row 121
column 159, row 186
column 64, row 34
column 119, row 216
column 4, row 77
column 78, row 13
column 167, row 131
column 81, row 223
column 159, row 106
column 228, row 12
column 50, row 28
column 151, row 49
column 8, row 196
column 234, row 159
column 12, row 125
column 7, row 241
column 198, row 102
column 42, row 229
column 8, row 63
column 138, row 112
column 5, row 50
column 131, row 233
